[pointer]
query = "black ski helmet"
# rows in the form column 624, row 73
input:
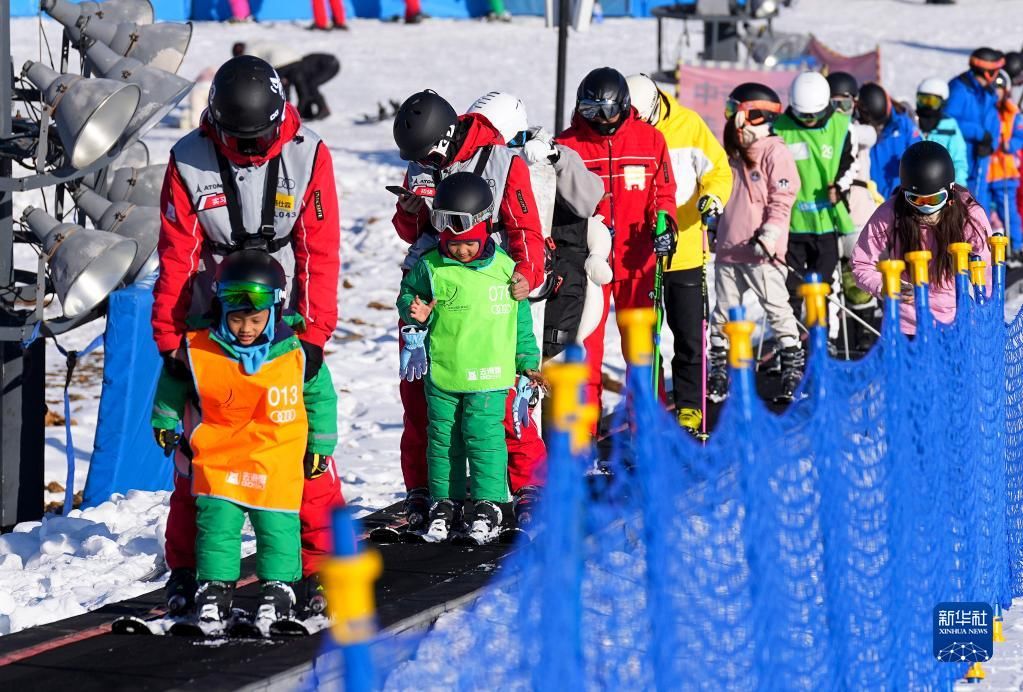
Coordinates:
column 1014, row 66
column 465, row 193
column 752, row 93
column 986, row 62
column 607, row 89
column 423, row 120
column 250, row 268
column 873, row 105
column 843, row 84
column 926, row 168
column 246, row 98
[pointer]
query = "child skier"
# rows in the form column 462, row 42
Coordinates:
column 753, row 231
column 250, row 426
column 479, row 336
column 931, row 97
column 1003, row 171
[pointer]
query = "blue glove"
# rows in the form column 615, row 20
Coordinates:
column 413, row 355
column 520, row 405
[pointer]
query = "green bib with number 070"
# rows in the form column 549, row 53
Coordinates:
column 473, row 333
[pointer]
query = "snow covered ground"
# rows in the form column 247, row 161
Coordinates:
column 65, row 566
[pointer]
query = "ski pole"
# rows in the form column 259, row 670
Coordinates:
column 831, row 299
column 703, row 331
column 658, row 296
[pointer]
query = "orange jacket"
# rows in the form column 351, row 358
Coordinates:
column 252, row 439
column 1003, row 164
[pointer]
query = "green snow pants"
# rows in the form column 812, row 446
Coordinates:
column 219, row 541
column 466, row 426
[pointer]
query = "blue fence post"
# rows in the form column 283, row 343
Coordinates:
column 998, row 244
column 560, row 597
column 918, row 261
column 891, row 271
column 978, row 276
column 740, row 360
column 961, row 266
column 348, row 580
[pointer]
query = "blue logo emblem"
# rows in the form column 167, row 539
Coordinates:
column 963, row 632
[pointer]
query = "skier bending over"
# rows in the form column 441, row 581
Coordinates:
column 251, row 424
column 753, row 232
column 216, row 200
column 479, row 337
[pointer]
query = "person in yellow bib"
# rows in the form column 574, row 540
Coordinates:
column 703, row 182
column 253, row 430
column 467, row 338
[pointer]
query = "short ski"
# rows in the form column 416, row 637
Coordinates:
column 513, row 534
column 387, row 534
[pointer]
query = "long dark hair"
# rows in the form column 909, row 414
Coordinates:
column 733, row 145
column 950, row 227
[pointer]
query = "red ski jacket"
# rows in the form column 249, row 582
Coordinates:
column 518, row 215
column 315, row 241
column 636, row 170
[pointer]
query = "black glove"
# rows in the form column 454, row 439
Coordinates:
column 176, row 368
column 316, row 465
column 313, row 359
column 665, row 243
column 984, row 147
column 167, row 439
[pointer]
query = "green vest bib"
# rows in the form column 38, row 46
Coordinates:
column 818, row 152
column 473, row 334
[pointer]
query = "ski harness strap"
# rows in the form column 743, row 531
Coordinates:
column 264, row 238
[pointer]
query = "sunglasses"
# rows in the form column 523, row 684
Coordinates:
column 457, row 222
column 519, row 140
column 932, row 101
column 933, row 200
column 591, row 109
column 843, row 104
column 244, row 294
column 757, row 112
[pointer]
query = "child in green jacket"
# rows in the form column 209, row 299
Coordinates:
column 479, row 338
column 253, row 428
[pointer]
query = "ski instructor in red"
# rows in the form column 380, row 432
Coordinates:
column 631, row 157
column 437, row 142
column 250, row 177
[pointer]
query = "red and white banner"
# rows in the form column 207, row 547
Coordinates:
column 704, row 88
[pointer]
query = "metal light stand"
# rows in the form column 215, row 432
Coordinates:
column 22, row 370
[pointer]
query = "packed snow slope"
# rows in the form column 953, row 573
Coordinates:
column 63, row 566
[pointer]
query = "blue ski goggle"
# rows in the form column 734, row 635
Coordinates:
column 519, row 140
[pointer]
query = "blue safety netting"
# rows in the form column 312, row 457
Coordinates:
column 798, row 552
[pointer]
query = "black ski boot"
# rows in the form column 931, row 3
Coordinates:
column 417, row 509
column 276, row 602
column 484, row 524
column 524, row 506
column 310, row 597
column 180, row 591
column 792, row 363
column 717, row 374
column 213, row 602
column 441, row 521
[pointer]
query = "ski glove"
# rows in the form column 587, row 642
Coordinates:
column 175, row 367
column 413, row 363
column 984, row 147
column 167, row 439
column 316, row 464
column 520, row 405
column 666, row 242
column 540, row 147
column 313, row 359
column 710, row 207
column 764, row 241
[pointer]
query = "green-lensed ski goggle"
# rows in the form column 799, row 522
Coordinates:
column 245, row 294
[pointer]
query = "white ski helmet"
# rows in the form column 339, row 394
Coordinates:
column 935, row 86
column 646, row 97
column 505, row 112
column 810, row 93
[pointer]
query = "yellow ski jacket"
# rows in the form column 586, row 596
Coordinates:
column 700, row 167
